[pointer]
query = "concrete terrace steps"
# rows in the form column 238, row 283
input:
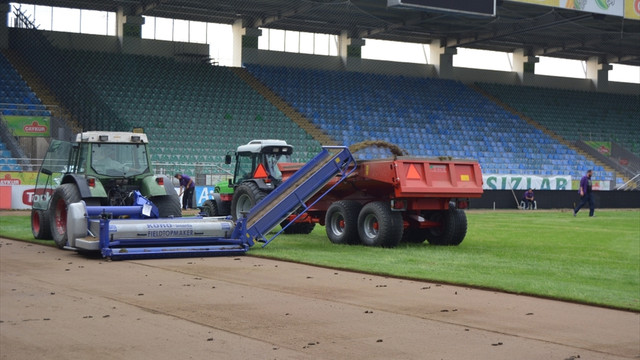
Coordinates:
column 283, row 106
column 43, row 92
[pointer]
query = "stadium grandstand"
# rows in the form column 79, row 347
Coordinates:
column 298, row 71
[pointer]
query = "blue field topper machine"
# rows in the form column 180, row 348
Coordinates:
column 137, row 231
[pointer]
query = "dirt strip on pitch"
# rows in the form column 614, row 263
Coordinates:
column 57, row 304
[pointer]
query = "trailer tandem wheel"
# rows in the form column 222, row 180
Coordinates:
column 414, row 235
column 379, row 226
column 452, row 230
column 63, row 195
column 342, row 222
column 298, row 228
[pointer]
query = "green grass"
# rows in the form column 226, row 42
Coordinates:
column 543, row 253
column 19, row 227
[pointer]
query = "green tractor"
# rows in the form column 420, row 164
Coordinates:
column 256, row 174
column 102, row 169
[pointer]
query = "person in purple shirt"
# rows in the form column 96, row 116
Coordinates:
column 585, row 194
column 188, row 186
column 528, row 199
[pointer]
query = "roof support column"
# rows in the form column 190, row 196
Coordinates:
column 598, row 73
column 350, row 51
column 243, row 38
column 129, row 30
column 237, row 33
column 524, row 65
column 442, row 59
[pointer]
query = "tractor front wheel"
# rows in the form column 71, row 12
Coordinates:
column 210, row 208
column 64, row 195
column 40, row 227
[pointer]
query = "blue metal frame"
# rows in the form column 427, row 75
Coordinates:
column 291, row 194
column 344, row 162
column 134, row 211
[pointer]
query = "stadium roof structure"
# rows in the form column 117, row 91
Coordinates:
column 538, row 30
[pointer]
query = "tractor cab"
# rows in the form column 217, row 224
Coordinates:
column 258, row 161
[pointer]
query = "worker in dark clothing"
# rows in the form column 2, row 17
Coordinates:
column 187, row 187
column 585, row 194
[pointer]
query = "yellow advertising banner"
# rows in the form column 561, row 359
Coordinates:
column 632, row 9
column 18, row 178
column 607, row 7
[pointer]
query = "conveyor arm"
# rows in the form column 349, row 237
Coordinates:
column 293, row 193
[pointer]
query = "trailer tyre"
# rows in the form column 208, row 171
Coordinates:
column 414, row 235
column 298, row 228
column 379, row 226
column 168, row 205
column 452, row 230
column 63, row 195
column 461, row 227
column 342, row 222
column 40, row 224
column 210, row 208
column 245, row 197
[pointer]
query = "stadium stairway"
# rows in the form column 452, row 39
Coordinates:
column 576, row 115
column 16, row 96
column 285, row 107
column 46, row 96
column 547, row 131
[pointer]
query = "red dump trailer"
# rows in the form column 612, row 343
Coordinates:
column 387, row 201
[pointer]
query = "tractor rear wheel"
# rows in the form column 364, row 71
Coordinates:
column 379, row 226
column 341, row 222
column 168, row 205
column 245, row 197
column 63, row 195
column 40, row 224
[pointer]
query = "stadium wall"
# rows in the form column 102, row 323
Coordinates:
column 335, row 63
column 557, row 199
column 281, row 58
column 467, row 75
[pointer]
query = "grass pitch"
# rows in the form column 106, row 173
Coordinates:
column 542, row 253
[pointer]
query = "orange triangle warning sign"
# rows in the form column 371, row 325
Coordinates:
column 413, row 173
column 260, row 173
